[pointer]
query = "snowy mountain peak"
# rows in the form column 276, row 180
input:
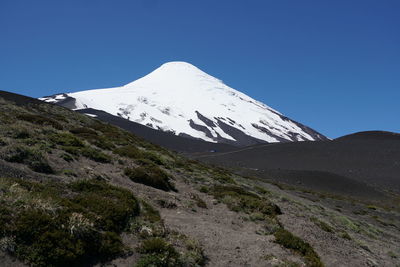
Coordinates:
column 178, row 65
column 182, row 99
column 178, row 75
column 176, row 68
column 180, row 68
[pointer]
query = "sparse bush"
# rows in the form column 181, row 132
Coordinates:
column 93, row 137
column 145, row 162
column 109, row 206
column 40, row 120
column 149, row 213
column 30, row 157
column 66, row 139
column 128, row 151
column 166, row 204
column 360, row 212
column 204, row 189
column 83, row 227
column 262, row 190
column 238, row 199
column 143, row 157
column 199, row 202
column 348, row 223
column 152, row 156
column 158, row 253
column 84, row 132
column 290, row 241
column 67, row 157
column 95, row 154
column 69, row 173
column 151, row 176
column 76, row 147
column 22, row 134
column 323, row 225
column 257, row 216
column 2, row 142
column 110, row 132
column 345, row 235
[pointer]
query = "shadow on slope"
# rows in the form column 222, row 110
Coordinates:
column 359, row 164
column 165, row 139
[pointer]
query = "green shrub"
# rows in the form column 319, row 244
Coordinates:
column 143, row 157
column 204, row 189
column 19, row 154
column 2, row 142
column 151, row 176
column 153, row 157
column 66, row 139
column 290, row 241
column 69, row 173
column 111, row 207
column 73, row 150
column 129, row 151
column 85, row 151
column 149, row 213
column 42, row 241
column 345, row 235
column 323, row 225
column 145, row 162
column 81, row 228
column 30, row 157
column 84, row 132
column 67, row 157
column 199, row 202
column 93, row 137
column 111, row 244
column 238, row 199
column 40, row 165
column 95, row 154
column 113, row 133
column 40, row 120
column 158, row 253
column 22, row 134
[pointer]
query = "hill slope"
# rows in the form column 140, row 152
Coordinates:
column 75, row 191
column 370, row 159
column 180, row 98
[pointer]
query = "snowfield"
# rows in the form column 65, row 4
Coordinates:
column 182, row 99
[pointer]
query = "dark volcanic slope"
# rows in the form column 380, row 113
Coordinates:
column 18, row 99
column 164, row 139
column 370, row 157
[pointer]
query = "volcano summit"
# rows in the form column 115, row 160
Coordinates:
column 182, row 99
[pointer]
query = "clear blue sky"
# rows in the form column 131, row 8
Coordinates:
column 332, row 65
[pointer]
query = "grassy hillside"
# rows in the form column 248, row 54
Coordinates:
column 75, row 191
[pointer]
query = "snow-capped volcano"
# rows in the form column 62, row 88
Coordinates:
column 182, row 99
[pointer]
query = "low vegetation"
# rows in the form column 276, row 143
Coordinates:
column 54, row 224
column 65, row 220
column 151, row 176
column 323, row 225
column 157, row 252
column 31, row 157
column 290, row 241
column 239, row 199
column 40, row 120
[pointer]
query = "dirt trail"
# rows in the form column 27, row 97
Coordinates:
column 227, row 239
